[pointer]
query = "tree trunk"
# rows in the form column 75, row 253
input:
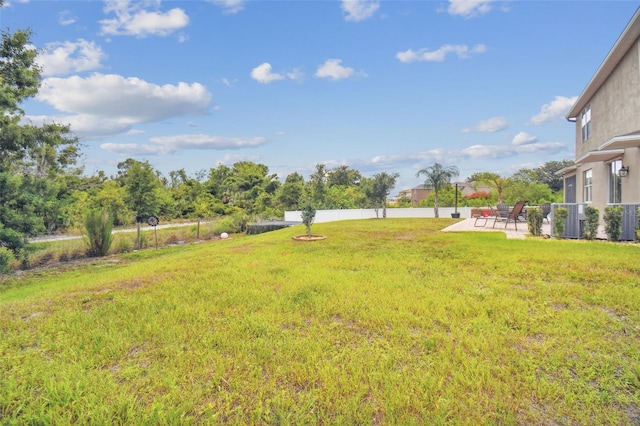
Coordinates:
column 435, row 204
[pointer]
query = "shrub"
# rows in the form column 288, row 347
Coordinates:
column 613, row 222
column 308, row 213
column 591, row 225
column 6, row 257
column 124, row 245
column 560, row 219
column 226, row 224
column 534, row 220
column 478, row 194
column 98, row 225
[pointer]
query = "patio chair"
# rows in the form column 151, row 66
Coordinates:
column 512, row 215
column 545, row 209
column 501, row 212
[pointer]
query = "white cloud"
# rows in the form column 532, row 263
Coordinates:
column 62, row 58
column 333, row 70
column 359, row 10
column 553, row 110
column 469, row 8
column 133, row 18
column 296, row 75
column 523, row 138
column 506, row 151
column 424, row 55
column 170, row 144
column 66, row 17
column 230, row 6
column 262, row 73
column 117, row 103
column 492, row 125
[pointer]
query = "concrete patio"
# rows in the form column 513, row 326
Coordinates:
column 470, row 225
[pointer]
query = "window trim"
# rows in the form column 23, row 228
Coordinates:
column 587, row 177
column 585, row 123
column 615, row 182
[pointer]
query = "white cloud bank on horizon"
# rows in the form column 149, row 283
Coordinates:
column 491, row 125
column 117, row 103
column 62, row 58
column 141, row 18
column 359, row 10
column 555, row 109
column 472, row 152
column 171, row 144
column 425, row 55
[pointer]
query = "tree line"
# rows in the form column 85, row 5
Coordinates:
column 43, row 190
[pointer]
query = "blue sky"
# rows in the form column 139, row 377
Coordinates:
column 381, row 86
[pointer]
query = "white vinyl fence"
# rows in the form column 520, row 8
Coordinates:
column 346, row 214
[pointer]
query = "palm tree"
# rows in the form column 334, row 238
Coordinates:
column 495, row 181
column 436, row 178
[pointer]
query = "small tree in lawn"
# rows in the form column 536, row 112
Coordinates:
column 379, row 188
column 436, row 178
column 308, row 213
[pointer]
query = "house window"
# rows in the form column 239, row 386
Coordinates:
column 585, row 121
column 588, row 186
column 615, row 183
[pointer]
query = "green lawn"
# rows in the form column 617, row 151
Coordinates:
column 384, row 322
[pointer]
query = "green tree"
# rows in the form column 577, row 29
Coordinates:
column 343, row 176
column 289, row 193
column 112, row 197
column 32, row 158
column 142, row 187
column 317, row 186
column 546, row 174
column 247, row 182
column 379, row 189
column 495, row 181
column 436, row 178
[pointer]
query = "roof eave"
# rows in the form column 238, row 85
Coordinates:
column 619, row 49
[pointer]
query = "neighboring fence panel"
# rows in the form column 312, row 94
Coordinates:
column 574, row 227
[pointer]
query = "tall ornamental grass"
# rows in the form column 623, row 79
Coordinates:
column 98, row 225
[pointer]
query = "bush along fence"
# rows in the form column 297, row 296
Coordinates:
column 620, row 222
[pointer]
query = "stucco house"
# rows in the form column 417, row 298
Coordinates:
column 607, row 122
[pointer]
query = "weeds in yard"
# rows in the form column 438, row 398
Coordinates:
column 384, row 322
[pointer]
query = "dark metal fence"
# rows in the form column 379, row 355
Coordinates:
column 629, row 221
column 574, row 227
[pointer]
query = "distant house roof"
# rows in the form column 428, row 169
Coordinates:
column 617, row 52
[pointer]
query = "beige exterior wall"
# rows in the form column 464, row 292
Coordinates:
column 600, row 180
column 615, row 111
column 631, row 183
column 615, row 108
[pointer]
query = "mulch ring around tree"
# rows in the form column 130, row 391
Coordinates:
column 305, row 237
